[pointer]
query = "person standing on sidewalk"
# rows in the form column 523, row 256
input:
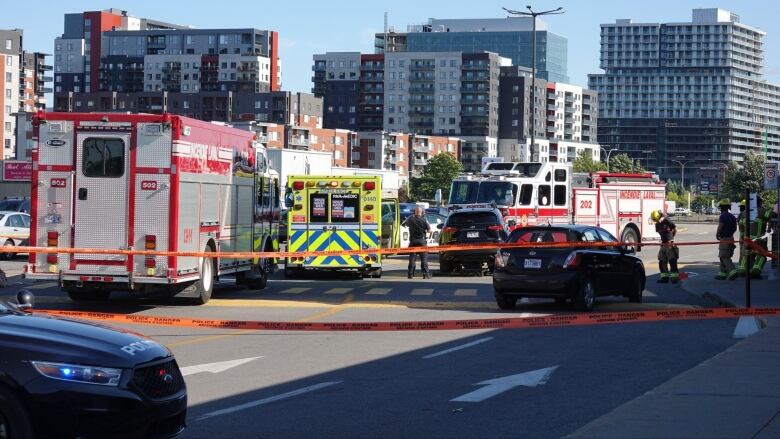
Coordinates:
column 727, row 225
column 668, row 253
column 418, row 234
column 742, row 224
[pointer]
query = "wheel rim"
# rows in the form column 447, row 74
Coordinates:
column 588, row 293
column 208, row 279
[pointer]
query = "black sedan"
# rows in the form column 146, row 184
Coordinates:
column 64, row 378
column 579, row 274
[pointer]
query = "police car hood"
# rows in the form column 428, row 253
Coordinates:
column 43, row 338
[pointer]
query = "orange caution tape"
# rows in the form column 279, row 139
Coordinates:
column 381, row 251
column 760, row 250
column 432, row 325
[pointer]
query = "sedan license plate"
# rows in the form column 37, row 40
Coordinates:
column 532, row 263
column 472, row 234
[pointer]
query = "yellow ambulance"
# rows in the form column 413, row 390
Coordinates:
column 333, row 213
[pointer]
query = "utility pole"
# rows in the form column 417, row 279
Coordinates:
column 533, row 15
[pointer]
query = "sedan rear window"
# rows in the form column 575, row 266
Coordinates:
column 537, row 235
column 468, row 218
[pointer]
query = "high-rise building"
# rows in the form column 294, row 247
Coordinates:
column 686, row 98
column 509, row 37
column 110, row 51
column 23, row 85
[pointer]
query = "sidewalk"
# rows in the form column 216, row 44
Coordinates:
column 735, row 394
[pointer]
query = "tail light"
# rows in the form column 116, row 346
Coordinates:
column 51, row 238
column 150, row 265
column 298, row 185
column 495, row 228
column 369, row 185
column 369, row 207
column 51, row 258
column 572, row 261
column 449, row 229
column 151, row 242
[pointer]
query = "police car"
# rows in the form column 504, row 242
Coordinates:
column 65, row 378
column 471, row 224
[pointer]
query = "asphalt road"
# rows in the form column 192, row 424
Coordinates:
column 416, row 384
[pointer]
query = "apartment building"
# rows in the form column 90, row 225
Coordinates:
column 509, row 37
column 565, row 119
column 686, row 94
column 403, row 152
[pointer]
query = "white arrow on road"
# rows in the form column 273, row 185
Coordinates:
column 215, row 367
column 500, row 385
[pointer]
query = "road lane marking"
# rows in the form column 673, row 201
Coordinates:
column 422, row 292
column 646, row 293
column 264, row 303
column 457, row 348
column 268, row 400
column 296, row 290
column 338, row 291
column 500, row 385
column 471, row 292
column 215, row 367
column 378, row 291
column 328, row 312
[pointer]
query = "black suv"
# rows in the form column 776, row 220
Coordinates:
column 481, row 224
column 64, row 378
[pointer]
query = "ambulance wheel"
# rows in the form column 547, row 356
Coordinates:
column 205, row 285
column 293, row 272
column 258, row 283
column 375, row 273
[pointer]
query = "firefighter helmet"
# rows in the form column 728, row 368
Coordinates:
column 742, row 204
column 656, row 215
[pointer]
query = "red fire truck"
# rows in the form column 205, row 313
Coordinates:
column 149, row 182
column 550, row 193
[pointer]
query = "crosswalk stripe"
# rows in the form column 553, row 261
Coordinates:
column 422, row 292
column 378, row 291
column 466, row 292
column 338, row 291
column 297, row 290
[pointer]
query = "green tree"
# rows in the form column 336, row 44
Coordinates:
column 622, row 163
column 584, row 163
column 750, row 176
column 674, row 187
column 437, row 174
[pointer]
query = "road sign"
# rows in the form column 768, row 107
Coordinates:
column 770, row 175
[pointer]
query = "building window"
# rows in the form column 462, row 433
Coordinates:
column 8, row 44
column 8, row 77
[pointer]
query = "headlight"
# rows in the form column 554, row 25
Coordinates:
column 104, row 376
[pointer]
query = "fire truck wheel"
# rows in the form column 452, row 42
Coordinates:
column 586, row 296
column 505, row 302
column 635, row 292
column 8, row 244
column 629, row 235
column 205, row 285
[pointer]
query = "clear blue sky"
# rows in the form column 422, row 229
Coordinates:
column 307, row 27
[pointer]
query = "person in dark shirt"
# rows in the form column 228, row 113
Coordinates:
column 667, row 254
column 727, row 226
column 418, row 234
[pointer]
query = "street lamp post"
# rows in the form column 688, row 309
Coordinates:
column 608, row 153
column 533, row 15
column 682, row 170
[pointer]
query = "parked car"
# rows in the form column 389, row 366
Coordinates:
column 14, row 230
column 711, row 211
column 283, row 226
column 15, row 204
column 680, row 211
column 64, row 378
column 579, row 274
column 477, row 225
column 433, row 219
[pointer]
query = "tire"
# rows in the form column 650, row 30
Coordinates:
column 8, row 244
column 505, row 302
column 376, row 273
column 630, row 235
column 445, row 267
column 204, row 286
column 87, row 294
column 292, row 272
column 14, row 420
column 635, row 293
column 586, row 295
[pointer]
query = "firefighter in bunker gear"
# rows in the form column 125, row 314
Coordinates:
column 758, row 229
column 727, row 225
column 741, row 224
column 668, row 253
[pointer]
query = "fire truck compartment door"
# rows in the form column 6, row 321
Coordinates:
column 100, row 212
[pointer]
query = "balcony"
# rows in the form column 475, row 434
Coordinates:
column 421, row 149
column 420, row 162
column 391, row 146
column 392, row 159
column 468, row 66
column 45, row 67
column 551, row 118
column 298, row 140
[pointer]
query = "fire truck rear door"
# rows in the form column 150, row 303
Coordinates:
column 100, row 208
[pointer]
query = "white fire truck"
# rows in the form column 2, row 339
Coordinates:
column 549, row 193
column 149, row 182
